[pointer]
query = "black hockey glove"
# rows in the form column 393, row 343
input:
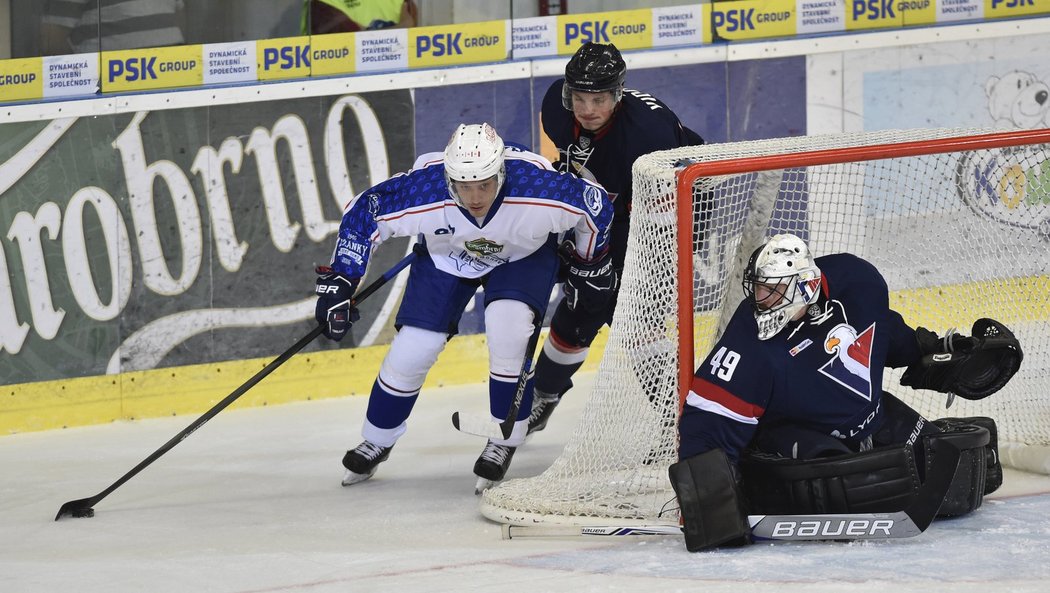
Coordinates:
column 335, row 310
column 589, row 285
column 970, row 367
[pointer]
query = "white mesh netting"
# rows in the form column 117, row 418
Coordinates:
column 957, row 235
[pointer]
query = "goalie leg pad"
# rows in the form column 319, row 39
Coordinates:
column 709, row 501
column 971, row 477
column 880, row 480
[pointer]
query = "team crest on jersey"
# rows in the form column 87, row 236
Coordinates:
column 592, row 198
column 483, row 246
column 851, row 364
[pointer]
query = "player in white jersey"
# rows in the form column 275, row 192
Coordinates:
column 489, row 215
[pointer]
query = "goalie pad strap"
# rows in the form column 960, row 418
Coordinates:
column 993, row 468
column 970, row 483
column 709, row 502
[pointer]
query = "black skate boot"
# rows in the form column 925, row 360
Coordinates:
column 492, row 465
column 543, row 405
column 542, row 408
column 362, row 461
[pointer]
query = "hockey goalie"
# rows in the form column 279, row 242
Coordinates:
column 787, row 414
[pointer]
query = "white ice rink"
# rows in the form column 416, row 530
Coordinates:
column 252, row 503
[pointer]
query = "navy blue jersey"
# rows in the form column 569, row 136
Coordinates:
column 640, row 124
column 822, row 372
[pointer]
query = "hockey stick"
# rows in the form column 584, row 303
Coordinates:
column 483, row 426
column 82, row 507
column 837, row 527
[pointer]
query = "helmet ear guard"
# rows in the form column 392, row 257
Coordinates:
column 780, row 280
column 474, row 153
column 594, row 68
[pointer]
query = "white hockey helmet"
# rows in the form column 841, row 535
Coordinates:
column 781, row 279
column 474, row 153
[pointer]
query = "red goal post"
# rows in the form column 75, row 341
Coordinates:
column 957, row 221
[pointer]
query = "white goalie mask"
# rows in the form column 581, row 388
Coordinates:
column 781, row 279
column 474, row 153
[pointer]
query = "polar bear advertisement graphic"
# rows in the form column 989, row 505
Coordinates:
column 1011, row 185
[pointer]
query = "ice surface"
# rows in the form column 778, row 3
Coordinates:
column 252, row 502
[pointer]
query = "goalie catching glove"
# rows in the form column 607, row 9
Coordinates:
column 335, row 308
column 970, row 367
column 590, row 284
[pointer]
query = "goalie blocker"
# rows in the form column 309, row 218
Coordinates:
column 715, row 504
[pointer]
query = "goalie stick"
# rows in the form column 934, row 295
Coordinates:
column 834, row 527
column 82, row 507
column 483, row 426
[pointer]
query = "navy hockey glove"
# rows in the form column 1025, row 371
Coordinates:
column 335, row 311
column 589, row 285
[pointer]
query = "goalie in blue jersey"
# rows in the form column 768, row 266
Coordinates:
column 488, row 215
column 787, row 414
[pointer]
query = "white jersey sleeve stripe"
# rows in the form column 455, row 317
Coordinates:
column 716, row 408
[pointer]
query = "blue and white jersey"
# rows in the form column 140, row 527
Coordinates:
column 534, row 202
column 822, row 372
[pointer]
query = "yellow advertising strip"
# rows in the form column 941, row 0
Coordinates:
column 194, row 389
column 753, row 19
column 1007, row 8
column 451, row 45
column 917, row 12
column 332, row 54
column 288, row 57
column 873, row 14
column 152, row 68
column 21, row 79
column 627, row 29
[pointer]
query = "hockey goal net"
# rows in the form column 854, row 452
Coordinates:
column 957, row 221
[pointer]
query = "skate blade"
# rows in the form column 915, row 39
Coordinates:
column 351, row 478
column 483, row 485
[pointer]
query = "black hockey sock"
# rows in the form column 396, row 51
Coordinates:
column 553, row 378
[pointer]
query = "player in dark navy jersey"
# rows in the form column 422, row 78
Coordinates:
column 798, row 374
column 488, row 214
column 600, row 128
column 829, row 331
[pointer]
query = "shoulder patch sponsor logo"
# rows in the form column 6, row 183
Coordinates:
column 801, row 346
column 483, row 246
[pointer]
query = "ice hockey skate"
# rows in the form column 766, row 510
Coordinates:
column 361, row 462
column 542, row 408
column 492, row 465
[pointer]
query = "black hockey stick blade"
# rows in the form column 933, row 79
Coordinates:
column 485, row 427
column 850, row 526
column 83, row 507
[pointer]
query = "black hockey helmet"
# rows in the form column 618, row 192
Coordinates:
column 594, row 68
